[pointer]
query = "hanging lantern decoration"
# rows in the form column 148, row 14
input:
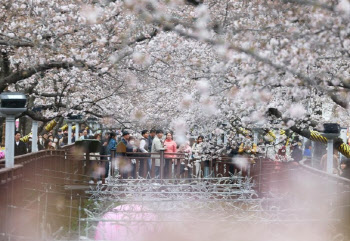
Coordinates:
column 270, row 136
column 50, row 126
column 243, row 131
column 25, row 138
column 65, row 127
column 316, row 136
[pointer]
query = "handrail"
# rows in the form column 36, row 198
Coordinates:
column 30, row 154
column 323, row 173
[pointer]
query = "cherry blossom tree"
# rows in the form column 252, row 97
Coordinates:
column 147, row 63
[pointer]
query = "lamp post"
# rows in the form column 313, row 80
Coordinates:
column 12, row 105
column 34, row 136
column 76, row 130
column 91, row 121
column 69, row 132
column 331, row 131
column 35, row 131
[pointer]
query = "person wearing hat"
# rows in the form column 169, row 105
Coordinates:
column 123, row 143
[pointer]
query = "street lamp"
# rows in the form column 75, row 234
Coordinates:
column 36, row 110
column 91, row 121
column 12, row 105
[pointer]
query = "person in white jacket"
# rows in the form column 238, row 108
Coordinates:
column 157, row 145
column 197, row 151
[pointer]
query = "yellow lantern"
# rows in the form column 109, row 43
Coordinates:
column 50, row 126
column 65, row 127
column 26, row 137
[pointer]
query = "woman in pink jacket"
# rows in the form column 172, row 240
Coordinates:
column 170, row 147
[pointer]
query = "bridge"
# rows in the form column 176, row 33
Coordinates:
column 47, row 196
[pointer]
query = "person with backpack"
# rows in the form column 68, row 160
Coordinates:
column 123, row 147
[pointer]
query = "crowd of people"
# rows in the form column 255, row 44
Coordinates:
column 154, row 141
column 47, row 141
column 340, row 166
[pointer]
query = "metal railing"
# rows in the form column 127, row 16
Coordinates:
column 172, row 165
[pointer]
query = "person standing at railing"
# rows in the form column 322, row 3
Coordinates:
column 170, row 147
column 45, row 137
column 144, row 147
column 96, row 170
column 103, row 153
column 111, row 145
column 123, row 147
column 156, row 147
column 151, row 136
column 41, row 143
column 132, row 146
column 73, row 137
column 308, row 150
column 49, row 145
column 20, row 146
column 63, row 141
column 84, row 135
column 59, row 135
column 197, row 151
column 296, row 154
column 323, row 162
column 345, row 168
column 187, row 150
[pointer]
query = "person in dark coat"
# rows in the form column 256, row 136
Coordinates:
column 345, row 168
column 103, row 153
column 20, row 146
column 151, row 136
column 297, row 154
column 41, row 143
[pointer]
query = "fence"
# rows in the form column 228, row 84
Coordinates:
column 23, row 186
column 175, row 165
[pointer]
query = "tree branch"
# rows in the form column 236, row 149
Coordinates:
column 24, row 74
column 16, row 43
